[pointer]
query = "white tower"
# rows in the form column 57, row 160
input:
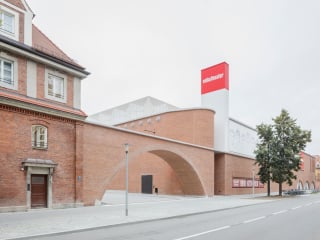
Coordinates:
column 215, row 95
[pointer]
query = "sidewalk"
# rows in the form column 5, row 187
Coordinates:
column 141, row 207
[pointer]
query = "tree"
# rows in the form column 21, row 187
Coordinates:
column 263, row 157
column 277, row 153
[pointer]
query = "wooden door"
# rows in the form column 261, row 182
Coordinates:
column 39, row 191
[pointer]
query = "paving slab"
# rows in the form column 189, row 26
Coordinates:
column 141, row 207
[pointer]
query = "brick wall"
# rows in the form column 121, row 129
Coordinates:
column 16, row 146
column 22, row 75
column 193, row 126
column 164, row 177
column 229, row 166
column 307, row 174
column 21, row 27
column 96, row 155
column 40, row 81
column 177, row 168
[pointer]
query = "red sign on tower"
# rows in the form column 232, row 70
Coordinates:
column 215, row 78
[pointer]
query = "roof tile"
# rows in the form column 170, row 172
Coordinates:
column 17, row 3
column 43, row 44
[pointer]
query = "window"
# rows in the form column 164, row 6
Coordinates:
column 55, row 86
column 6, row 71
column 39, row 137
column 7, row 22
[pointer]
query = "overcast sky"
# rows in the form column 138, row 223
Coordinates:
column 138, row 48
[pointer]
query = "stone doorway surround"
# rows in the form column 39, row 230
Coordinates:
column 39, row 166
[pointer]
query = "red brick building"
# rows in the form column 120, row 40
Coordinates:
column 52, row 156
column 40, row 113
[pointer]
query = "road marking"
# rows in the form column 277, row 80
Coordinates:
column 282, row 211
column 254, row 219
column 203, row 233
column 244, row 222
column 296, row 207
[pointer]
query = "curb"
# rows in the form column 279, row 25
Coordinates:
column 129, row 223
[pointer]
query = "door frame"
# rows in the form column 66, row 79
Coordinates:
column 40, row 167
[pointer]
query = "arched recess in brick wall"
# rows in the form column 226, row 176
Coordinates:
column 189, row 179
column 186, row 173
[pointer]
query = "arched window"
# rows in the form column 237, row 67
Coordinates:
column 39, row 137
column 299, row 185
column 312, row 186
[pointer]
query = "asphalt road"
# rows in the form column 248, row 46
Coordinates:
column 290, row 218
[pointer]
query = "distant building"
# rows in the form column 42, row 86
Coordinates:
column 140, row 108
column 317, row 170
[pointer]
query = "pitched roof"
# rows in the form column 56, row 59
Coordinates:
column 43, row 44
column 17, row 3
column 40, row 42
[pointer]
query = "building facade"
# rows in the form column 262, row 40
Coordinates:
column 40, row 112
column 53, row 156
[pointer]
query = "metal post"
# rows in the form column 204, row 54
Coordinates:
column 127, row 171
column 253, row 182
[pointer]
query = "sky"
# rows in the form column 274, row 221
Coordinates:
column 157, row 48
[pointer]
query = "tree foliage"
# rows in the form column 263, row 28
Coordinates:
column 277, row 153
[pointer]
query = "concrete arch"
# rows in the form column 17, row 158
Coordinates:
column 306, row 186
column 185, row 171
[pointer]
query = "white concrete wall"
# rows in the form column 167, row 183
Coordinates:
column 77, row 93
column 242, row 138
column 219, row 102
column 31, row 79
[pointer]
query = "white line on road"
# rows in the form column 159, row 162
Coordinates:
column 308, row 204
column 296, row 207
column 203, row 233
column 254, row 219
column 282, row 211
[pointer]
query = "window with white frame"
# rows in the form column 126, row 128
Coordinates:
column 39, row 137
column 55, row 86
column 6, row 72
column 7, row 22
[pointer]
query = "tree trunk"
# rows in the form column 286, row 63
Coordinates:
column 269, row 188
column 280, row 189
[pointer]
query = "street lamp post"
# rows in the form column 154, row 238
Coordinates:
column 126, row 146
column 253, row 182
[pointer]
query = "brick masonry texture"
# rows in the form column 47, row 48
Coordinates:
column 192, row 126
column 16, row 146
column 178, row 168
column 96, row 154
